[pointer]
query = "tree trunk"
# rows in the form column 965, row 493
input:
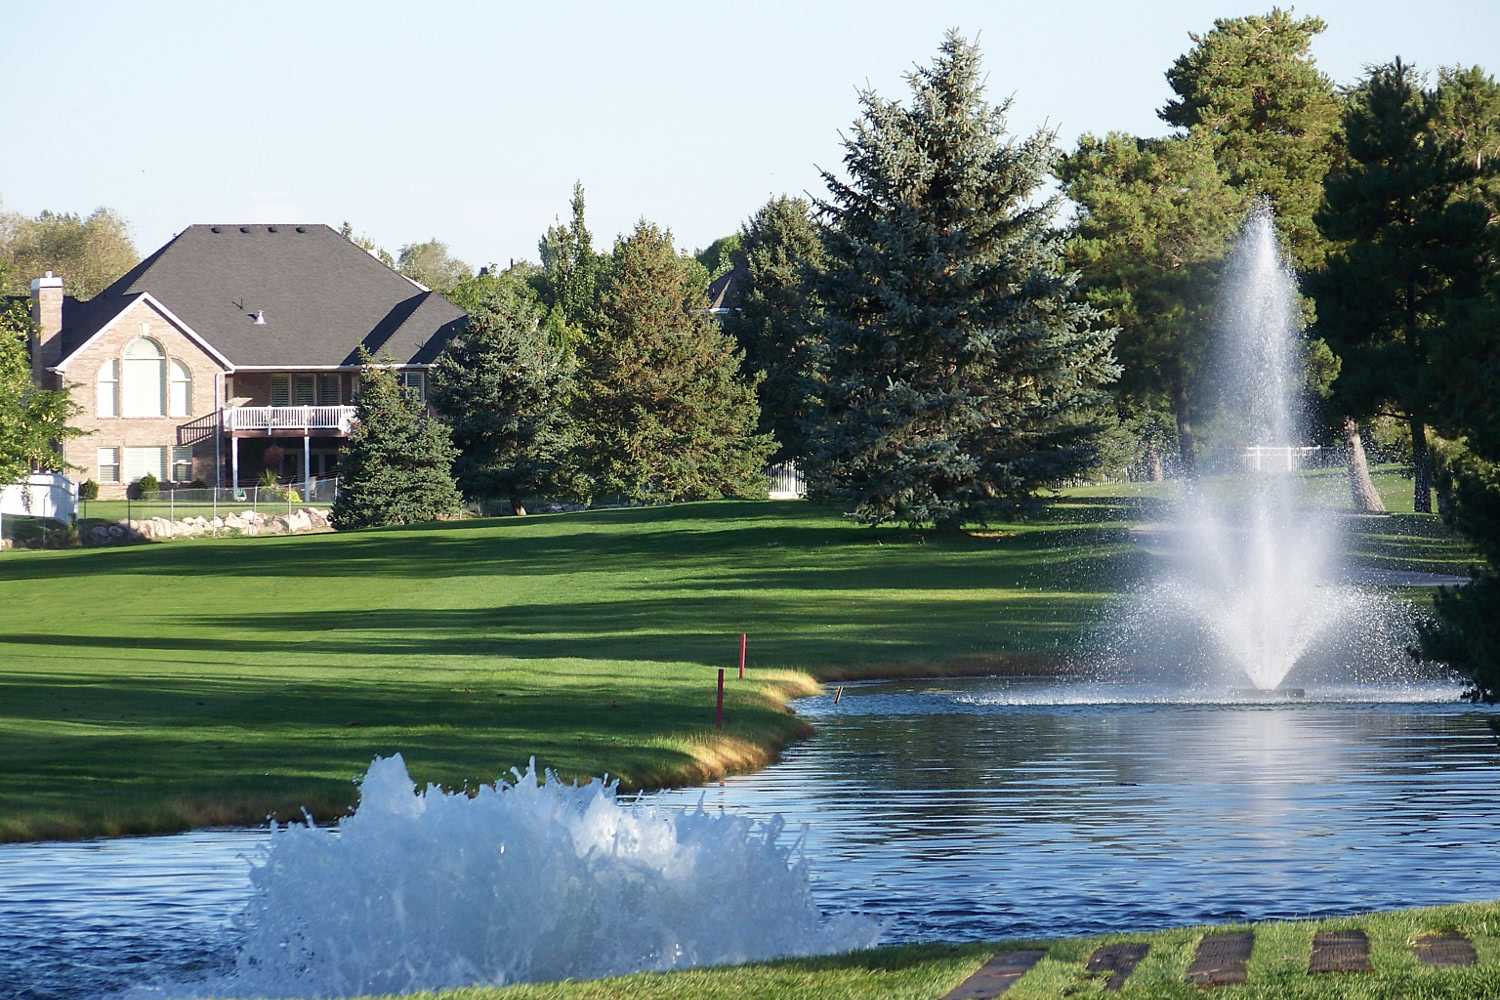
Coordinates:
column 1421, row 466
column 1185, row 431
column 1153, row 462
column 1361, row 488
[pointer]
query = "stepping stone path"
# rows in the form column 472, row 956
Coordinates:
column 1445, row 951
column 1119, row 960
column 996, row 976
column 1221, row 959
column 1339, row 951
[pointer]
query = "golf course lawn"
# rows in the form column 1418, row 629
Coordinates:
column 158, row 687
column 1277, row 968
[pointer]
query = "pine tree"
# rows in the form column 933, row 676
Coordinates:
column 397, row 466
column 663, row 412
column 1252, row 92
column 1410, row 242
column 503, row 387
column 780, row 249
column 957, row 361
column 1154, row 224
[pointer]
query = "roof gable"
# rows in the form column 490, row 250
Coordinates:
column 321, row 297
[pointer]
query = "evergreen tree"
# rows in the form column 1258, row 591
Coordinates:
column 503, row 387
column 397, row 466
column 1410, row 242
column 663, row 412
column 1251, row 90
column 957, row 361
column 1154, row 224
column 32, row 420
column 780, row 249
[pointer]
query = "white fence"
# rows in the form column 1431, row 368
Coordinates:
column 785, row 481
column 1268, row 458
column 45, row 494
column 269, row 418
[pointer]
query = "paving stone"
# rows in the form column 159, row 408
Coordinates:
column 1339, row 951
column 1119, row 960
column 1221, row 959
column 996, row 976
column 1445, row 951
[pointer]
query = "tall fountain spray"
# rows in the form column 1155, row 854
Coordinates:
column 1255, row 562
column 1248, row 583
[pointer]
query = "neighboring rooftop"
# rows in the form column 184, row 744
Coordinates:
column 321, row 297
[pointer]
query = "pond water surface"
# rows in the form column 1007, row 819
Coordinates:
column 972, row 809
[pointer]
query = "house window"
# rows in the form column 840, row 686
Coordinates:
column 145, row 379
column 330, row 392
column 109, row 465
column 304, row 390
column 281, row 390
column 181, row 390
column 182, row 464
column 109, row 389
column 228, row 389
column 416, row 383
column 139, row 461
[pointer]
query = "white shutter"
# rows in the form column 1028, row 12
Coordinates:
column 109, row 465
column 305, row 390
column 139, row 461
column 281, row 390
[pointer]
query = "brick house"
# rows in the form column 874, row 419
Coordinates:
column 230, row 350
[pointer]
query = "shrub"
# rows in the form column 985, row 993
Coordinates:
column 199, row 484
column 88, row 490
column 148, row 487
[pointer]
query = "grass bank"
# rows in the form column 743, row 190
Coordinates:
column 153, row 688
column 1277, row 968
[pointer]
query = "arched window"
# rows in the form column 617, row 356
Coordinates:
column 145, row 381
column 181, row 394
column 109, row 389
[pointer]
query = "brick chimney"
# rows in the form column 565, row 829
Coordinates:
column 47, row 310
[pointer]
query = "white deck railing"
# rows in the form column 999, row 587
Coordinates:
column 288, row 418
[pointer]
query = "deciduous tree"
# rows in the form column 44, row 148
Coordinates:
column 780, row 252
column 88, row 252
column 33, row 421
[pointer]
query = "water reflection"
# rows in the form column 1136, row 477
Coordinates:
column 993, row 808
column 958, row 810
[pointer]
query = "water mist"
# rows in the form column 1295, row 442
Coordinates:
column 1247, row 583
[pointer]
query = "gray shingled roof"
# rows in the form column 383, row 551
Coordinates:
column 322, row 296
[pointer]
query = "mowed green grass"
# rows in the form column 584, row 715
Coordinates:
column 1277, row 968
column 157, row 687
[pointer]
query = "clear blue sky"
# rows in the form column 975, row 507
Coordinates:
column 470, row 121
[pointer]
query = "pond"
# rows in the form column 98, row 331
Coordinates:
column 954, row 809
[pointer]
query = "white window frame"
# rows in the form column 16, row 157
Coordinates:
column 415, row 379
column 281, row 385
column 107, row 402
column 109, row 465
column 184, row 385
column 137, row 363
column 335, row 382
column 159, row 468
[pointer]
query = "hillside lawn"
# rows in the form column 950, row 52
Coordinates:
column 1277, row 968
column 158, row 687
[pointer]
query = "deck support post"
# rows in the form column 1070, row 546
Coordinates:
column 306, row 466
column 234, row 475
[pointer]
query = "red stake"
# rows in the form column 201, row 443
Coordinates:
column 742, row 656
column 719, row 709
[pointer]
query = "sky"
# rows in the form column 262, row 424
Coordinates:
column 470, row 121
